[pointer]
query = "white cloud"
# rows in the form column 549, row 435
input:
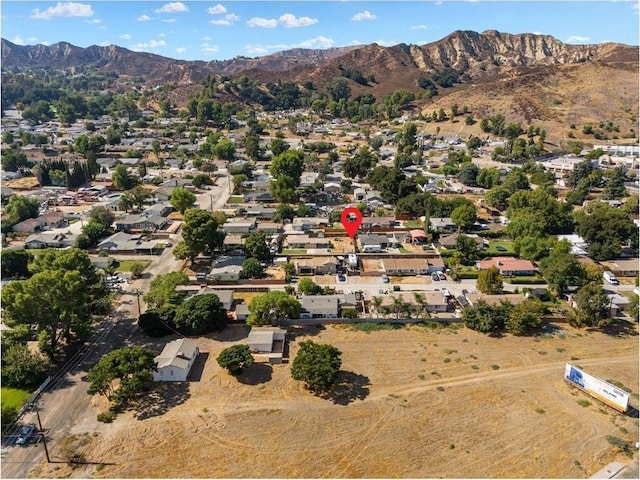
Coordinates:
column 208, row 48
column 288, row 20
column 355, row 42
column 125, row 36
column 229, row 19
column 577, row 39
column 94, row 20
column 636, row 6
column 161, row 35
column 169, row 20
column 262, row 22
column 317, row 42
column 143, row 18
column 181, row 49
column 145, row 46
column 439, row 2
column 173, row 7
column 17, row 40
column 419, row 27
column 206, row 39
column 32, row 39
column 217, row 9
column 366, row 15
column 68, row 9
column 386, row 43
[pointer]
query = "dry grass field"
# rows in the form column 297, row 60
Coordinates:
column 412, row 402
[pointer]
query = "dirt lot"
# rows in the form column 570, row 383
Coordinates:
column 498, row 408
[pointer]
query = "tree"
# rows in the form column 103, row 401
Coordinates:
column 317, row 365
column 490, row 281
column 136, row 269
column 468, row 174
column 20, row 208
column 93, row 231
column 22, row 368
column 58, row 301
column 102, row 216
column 201, row 314
column 162, row 289
column 464, row 216
column 467, row 248
column 15, row 263
column 266, row 309
column 592, row 307
column 283, row 189
column 605, row 229
column 486, row 318
column 255, row 246
column 289, row 163
column 121, row 178
column 252, row 268
column 131, row 366
column 200, row 232
column 525, row 318
column 561, row 269
column 201, row 180
column 157, row 323
column 182, row 199
column 306, row 286
column 225, row 149
column 278, row 146
column 284, row 212
column 235, row 358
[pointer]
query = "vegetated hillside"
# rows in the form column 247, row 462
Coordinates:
column 155, row 69
column 552, row 97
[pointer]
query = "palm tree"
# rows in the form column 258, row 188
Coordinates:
column 422, row 306
column 396, row 305
column 376, row 304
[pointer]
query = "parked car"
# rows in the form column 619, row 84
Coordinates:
column 26, row 434
column 341, row 277
column 441, row 276
column 385, row 279
column 168, row 244
column 500, row 248
column 435, row 277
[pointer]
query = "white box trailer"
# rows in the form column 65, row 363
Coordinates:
column 610, row 278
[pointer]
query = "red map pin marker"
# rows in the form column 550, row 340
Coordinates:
column 351, row 219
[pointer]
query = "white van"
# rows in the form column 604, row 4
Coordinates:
column 610, row 278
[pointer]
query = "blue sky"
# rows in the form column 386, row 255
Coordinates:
column 212, row 30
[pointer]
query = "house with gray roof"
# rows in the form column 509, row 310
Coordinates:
column 176, row 360
column 227, row 268
column 132, row 223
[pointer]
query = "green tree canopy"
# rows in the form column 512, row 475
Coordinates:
column 22, row 368
column 464, row 216
column 102, row 216
column 592, row 307
column 255, row 246
column 605, row 229
column 317, row 365
column 486, row 318
column 252, row 268
column 131, row 366
column 201, row 314
column 20, row 208
column 162, row 289
column 235, row 358
column 525, row 317
column 182, row 199
column 121, row 178
column 490, row 281
column 306, row 286
column 200, row 232
column 266, row 309
column 289, row 163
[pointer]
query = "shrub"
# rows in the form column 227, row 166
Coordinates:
column 106, row 417
column 583, row 402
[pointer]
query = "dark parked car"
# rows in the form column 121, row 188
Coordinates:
column 26, row 434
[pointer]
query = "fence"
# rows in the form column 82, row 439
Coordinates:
column 287, row 322
column 33, row 397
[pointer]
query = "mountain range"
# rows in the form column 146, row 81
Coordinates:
column 533, row 77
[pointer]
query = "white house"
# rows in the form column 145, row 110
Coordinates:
column 176, row 360
column 269, row 341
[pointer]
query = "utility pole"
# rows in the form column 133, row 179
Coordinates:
column 137, row 292
column 41, row 432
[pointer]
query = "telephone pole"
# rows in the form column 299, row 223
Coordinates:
column 41, row 431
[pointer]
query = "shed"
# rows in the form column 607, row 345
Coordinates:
column 268, row 340
column 176, row 360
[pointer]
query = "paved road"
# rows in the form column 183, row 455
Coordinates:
column 65, row 406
